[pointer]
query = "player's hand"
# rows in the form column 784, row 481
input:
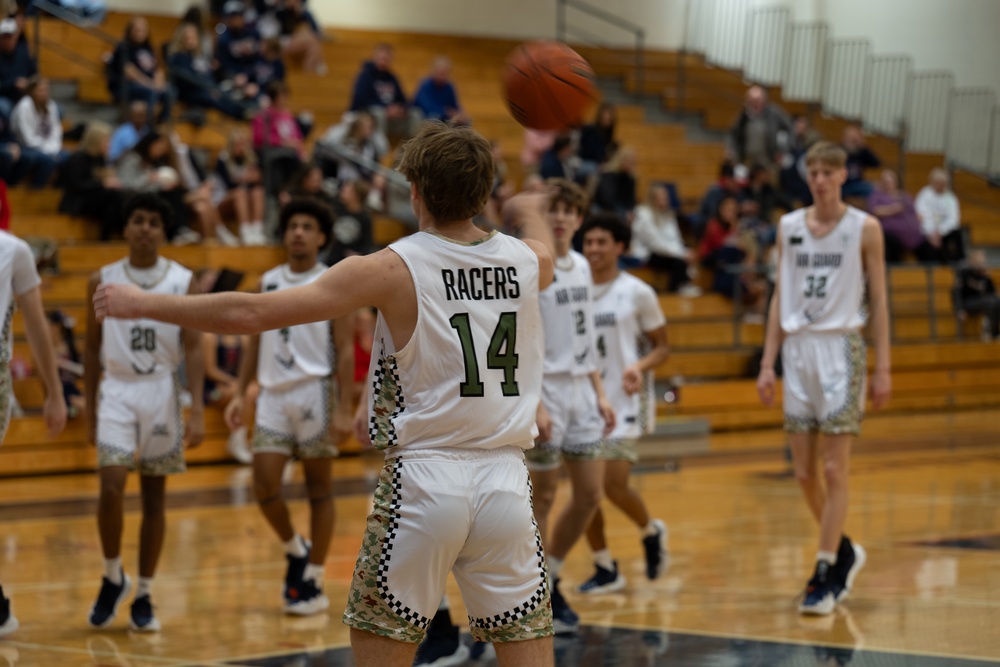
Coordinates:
column 342, row 424
column 194, row 431
column 361, row 424
column 233, row 414
column 607, row 414
column 54, row 411
column 631, row 380
column 543, row 420
column 880, row 388
column 116, row 300
column 766, row 386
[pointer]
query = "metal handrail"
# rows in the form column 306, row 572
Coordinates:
column 609, row 18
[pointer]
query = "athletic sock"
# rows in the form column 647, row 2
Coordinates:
column 113, row 570
column 829, row 557
column 144, row 587
column 444, row 603
column 603, row 559
column 650, row 529
column 296, row 547
column 314, row 573
column 555, row 565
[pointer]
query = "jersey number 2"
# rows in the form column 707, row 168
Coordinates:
column 501, row 354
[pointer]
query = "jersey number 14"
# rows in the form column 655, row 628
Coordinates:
column 500, row 355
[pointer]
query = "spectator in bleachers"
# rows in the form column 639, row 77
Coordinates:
column 301, row 36
column 657, row 241
column 760, row 133
column 978, row 295
column 733, row 256
column 68, row 359
column 90, row 187
column 900, row 222
column 128, row 134
column 560, row 160
column 242, row 188
column 357, row 134
column 269, row 66
column 36, row 124
column 191, row 75
column 307, row 182
column 436, row 96
column 793, row 164
column 352, row 224
column 276, row 126
column 200, row 206
column 616, row 189
column 726, row 186
column 939, row 214
column 14, row 165
column 760, row 203
column 597, row 141
column 859, row 158
column 135, row 71
column 237, row 51
column 722, row 225
column 195, row 16
column 377, row 90
column 151, row 166
column 17, row 67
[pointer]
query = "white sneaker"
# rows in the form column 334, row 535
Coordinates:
column 187, row 236
column 226, row 237
column 689, row 290
column 237, row 447
column 247, row 235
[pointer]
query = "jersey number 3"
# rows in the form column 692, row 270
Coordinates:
column 501, row 354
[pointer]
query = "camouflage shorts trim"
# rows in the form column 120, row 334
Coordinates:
column 546, row 456
column 6, row 399
column 267, row 441
column 170, row 463
column 621, row 449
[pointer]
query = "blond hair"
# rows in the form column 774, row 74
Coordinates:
column 619, row 156
column 452, row 169
column 827, row 153
column 95, row 133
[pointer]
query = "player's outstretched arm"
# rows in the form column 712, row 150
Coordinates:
column 372, row 280
column 525, row 215
column 342, row 422
column 766, row 380
column 873, row 255
column 37, row 330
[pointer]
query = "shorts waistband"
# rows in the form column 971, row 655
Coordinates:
column 841, row 333
column 457, row 454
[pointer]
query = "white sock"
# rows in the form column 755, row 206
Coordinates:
column 296, row 547
column 829, row 557
column 444, row 603
column 555, row 565
column 603, row 559
column 314, row 573
column 113, row 570
column 145, row 586
column 650, row 529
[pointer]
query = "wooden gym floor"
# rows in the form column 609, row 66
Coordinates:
column 925, row 502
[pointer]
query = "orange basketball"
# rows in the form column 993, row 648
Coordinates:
column 548, row 86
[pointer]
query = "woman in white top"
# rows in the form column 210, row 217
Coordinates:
column 939, row 214
column 36, row 125
column 657, row 240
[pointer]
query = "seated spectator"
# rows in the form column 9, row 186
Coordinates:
column 276, row 126
column 761, row 203
column 377, row 90
column 269, row 66
column 760, row 133
column 352, row 225
column 859, row 158
column 237, row 51
column 191, row 75
column 308, row 182
column 242, row 188
column 597, row 141
column 151, row 166
column 90, row 187
column 719, row 229
column 733, row 256
column 128, row 134
column 900, row 222
column 135, row 71
column 17, row 66
column 560, row 160
column 68, row 359
column 436, row 97
column 15, row 166
column 195, row 16
column 938, row 209
column 301, row 37
column 616, row 189
column 36, row 124
column 978, row 295
column 657, row 241
column 355, row 136
column 793, row 165
column 726, row 186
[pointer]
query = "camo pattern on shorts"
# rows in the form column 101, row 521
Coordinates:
column 6, row 399
column 620, row 449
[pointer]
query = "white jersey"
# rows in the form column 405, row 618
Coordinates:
column 18, row 276
column 624, row 310
column 136, row 349
column 470, row 376
column 568, row 316
column 288, row 356
column 822, row 279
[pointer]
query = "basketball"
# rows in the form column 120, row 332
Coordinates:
column 548, row 86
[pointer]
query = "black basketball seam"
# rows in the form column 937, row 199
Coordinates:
column 568, row 83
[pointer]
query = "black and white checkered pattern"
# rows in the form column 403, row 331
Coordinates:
column 382, row 576
column 386, row 367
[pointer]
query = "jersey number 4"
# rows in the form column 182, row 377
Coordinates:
column 143, row 339
column 500, row 355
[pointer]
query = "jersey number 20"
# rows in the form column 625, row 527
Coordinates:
column 500, row 355
column 143, row 339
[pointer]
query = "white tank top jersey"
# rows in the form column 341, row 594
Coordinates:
column 567, row 312
column 139, row 349
column 624, row 310
column 293, row 354
column 18, row 276
column 822, row 279
column 471, row 374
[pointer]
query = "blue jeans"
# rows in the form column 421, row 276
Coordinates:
column 215, row 99
column 151, row 97
column 41, row 164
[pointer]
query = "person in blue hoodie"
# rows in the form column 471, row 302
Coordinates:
column 237, row 50
column 135, row 71
column 192, row 77
column 377, row 91
column 436, row 97
column 17, row 67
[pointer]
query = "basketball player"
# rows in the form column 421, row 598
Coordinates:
column 574, row 414
column 631, row 343
column 19, row 286
column 293, row 366
column 455, row 383
column 136, row 424
column 828, row 253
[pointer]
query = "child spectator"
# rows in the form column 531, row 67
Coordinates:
column 978, row 295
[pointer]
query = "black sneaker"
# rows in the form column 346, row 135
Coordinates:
column 305, row 599
column 850, row 559
column 108, row 599
column 442, row 646
column 295, row 571
column 142, row 618
column 8, row 623
column 603, row 581
column 819, row 598
column 482, row 651
column 565, row 621
column 655, row 546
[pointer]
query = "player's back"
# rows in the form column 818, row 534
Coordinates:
column 142, row 348
column 470, row 375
